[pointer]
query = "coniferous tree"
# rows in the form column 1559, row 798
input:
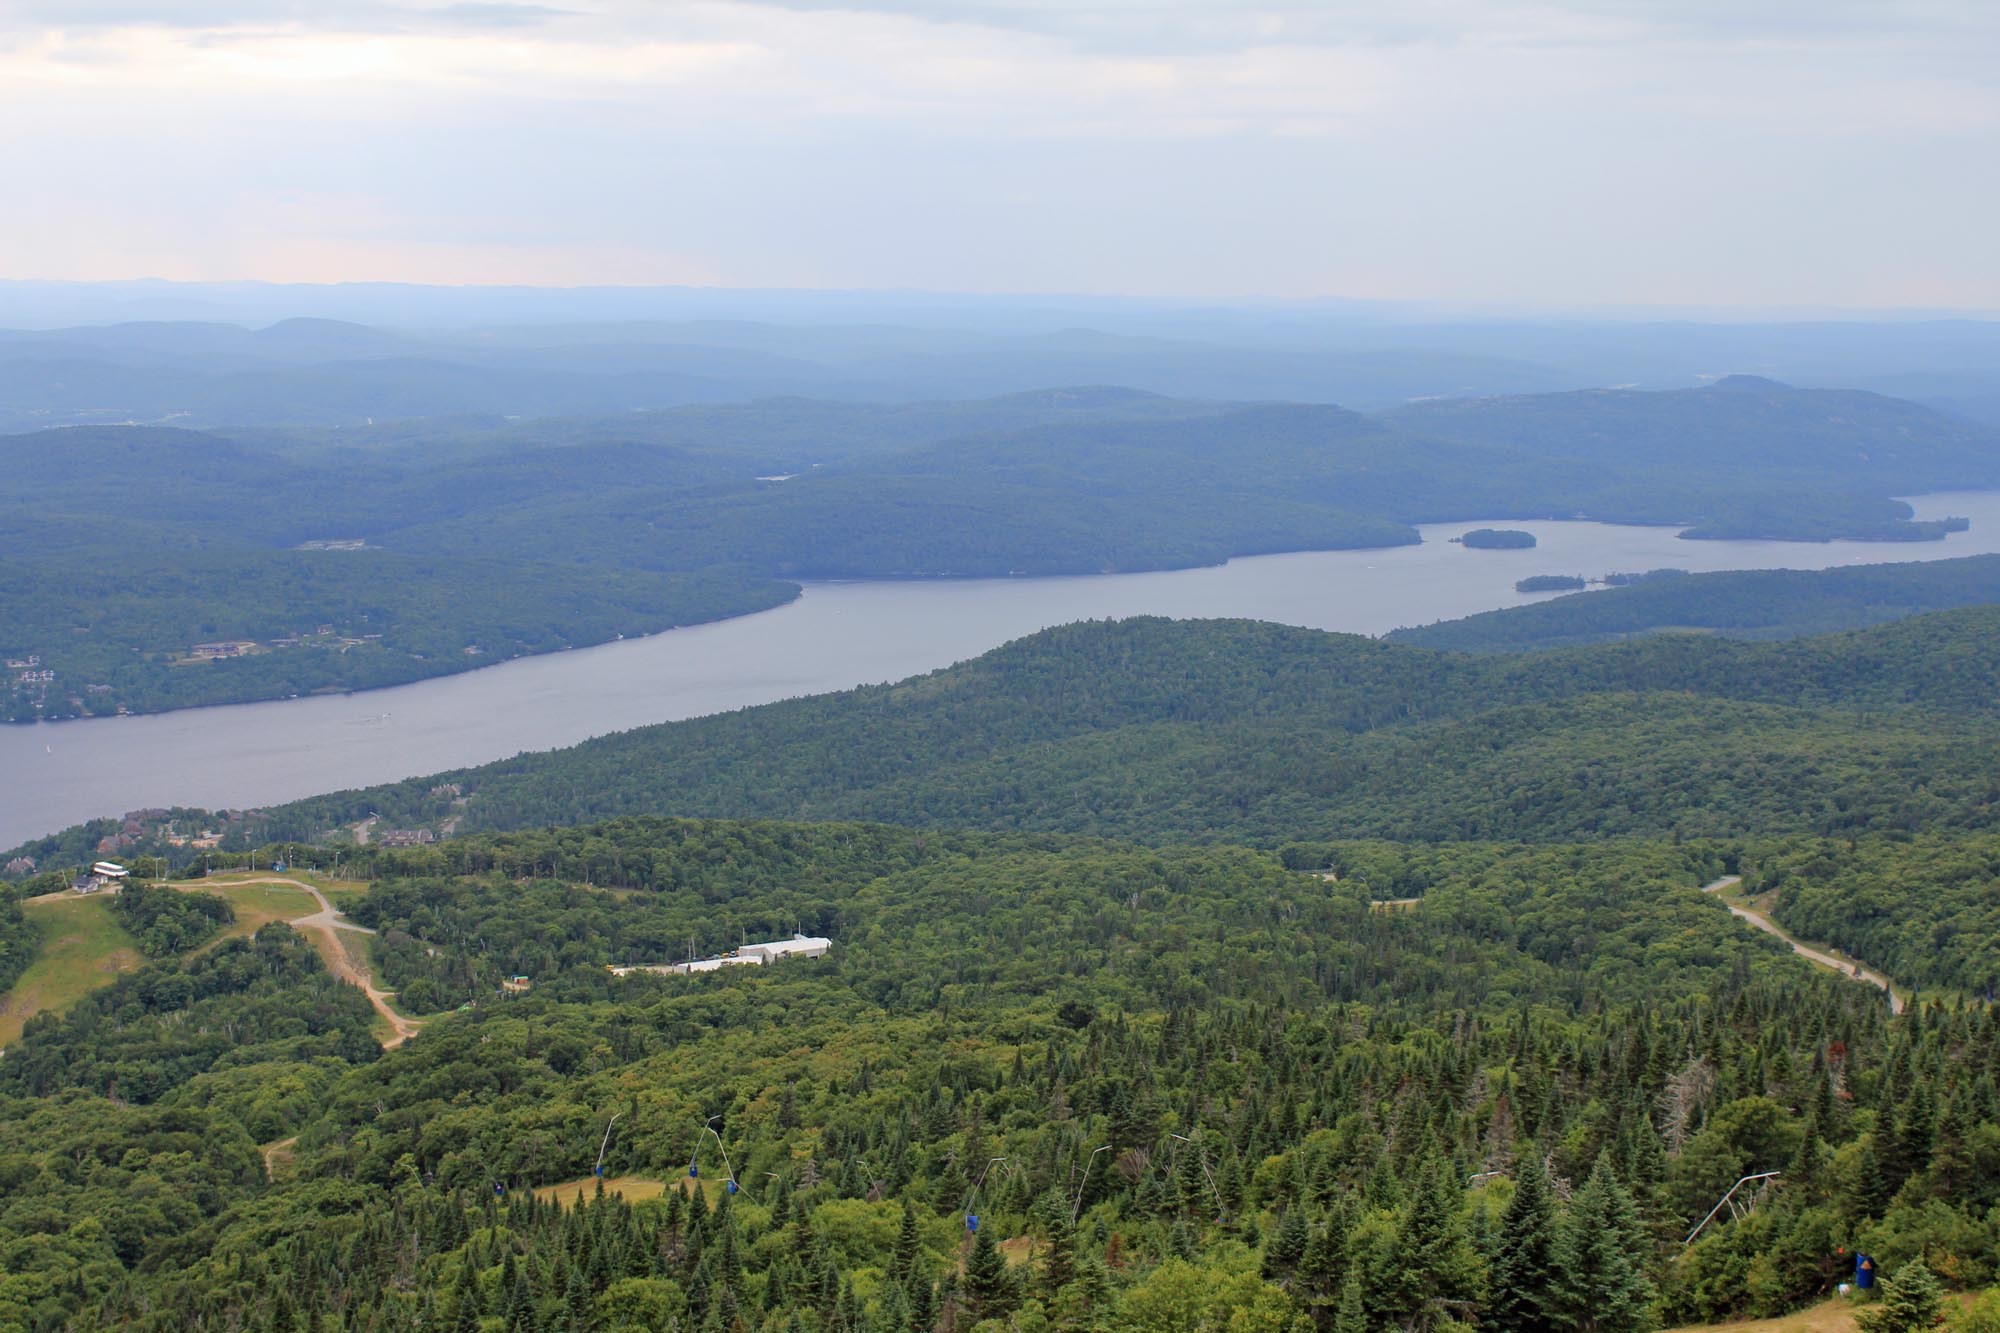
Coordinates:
column 1602, row 1286
column 1522, row 1281
column 904, row 1260
column 1288, row 1247
column 1059, row 1260
column 989, row 1289
column 1911, row 1302
column 1353, row 1315
column 1431, row 1275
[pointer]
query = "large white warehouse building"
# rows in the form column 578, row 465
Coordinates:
column 750, row 955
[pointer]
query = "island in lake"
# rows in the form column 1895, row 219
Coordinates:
column 1497, row 539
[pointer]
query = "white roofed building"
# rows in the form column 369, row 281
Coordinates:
column 750, row 955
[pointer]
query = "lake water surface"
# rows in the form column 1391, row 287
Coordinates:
column 837, row 635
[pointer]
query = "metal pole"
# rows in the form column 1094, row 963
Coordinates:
column 1088, row 1162
column 1766, row 1175
column 1202, row 1162
column 723, row 1148
column 973, row 1193
column 607, row 1142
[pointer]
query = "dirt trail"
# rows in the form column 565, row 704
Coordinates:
column 274, row 1151
column 326, row 924
column 1847, row 967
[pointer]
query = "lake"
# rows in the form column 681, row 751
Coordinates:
column 835, row 636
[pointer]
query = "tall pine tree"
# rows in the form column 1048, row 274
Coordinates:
column 1522, row 1281
column 1603, row 1287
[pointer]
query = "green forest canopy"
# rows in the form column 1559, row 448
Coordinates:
column 1292, row 1089
column 1236, row 730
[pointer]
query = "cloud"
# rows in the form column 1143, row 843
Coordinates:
column 329, row 16
column 1217, row 25
column 1634, row 149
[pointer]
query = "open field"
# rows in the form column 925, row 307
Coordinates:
column 83, row 947
column 257, row 905
column 634, row 1188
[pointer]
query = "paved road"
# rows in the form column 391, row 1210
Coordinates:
column 1847, row 967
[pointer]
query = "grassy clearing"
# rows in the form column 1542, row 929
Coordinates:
column 1834, row 1316
column 256, row 905
column 333, row 888
column 83, row 947
column 571, row 1192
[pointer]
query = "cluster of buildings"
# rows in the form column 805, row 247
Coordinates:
column 209, row 652
column 749, row 955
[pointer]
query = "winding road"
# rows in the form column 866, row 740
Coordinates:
column 326, row 923
column 1847, row 967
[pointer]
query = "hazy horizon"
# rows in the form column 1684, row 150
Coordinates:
column 1332, row 307
column 1564, row 157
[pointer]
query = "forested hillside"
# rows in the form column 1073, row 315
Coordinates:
column 1927, row 910
column 469, row 539
column 1172, row 730
column 210, row 627
column 1741, row 421
column 1737, row 604
column 1171, row 1085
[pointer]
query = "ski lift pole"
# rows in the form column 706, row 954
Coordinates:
column 1207, row 1175
column 604, row 1146
column 1724, row 1200
column 972, row 1218
column 1077, row 1207
column 721, row 1147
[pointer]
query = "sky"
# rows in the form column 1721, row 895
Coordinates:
column 1749, row 153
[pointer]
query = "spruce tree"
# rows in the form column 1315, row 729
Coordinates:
column 1602, row 1284
column 988, row 1288
column 1352, row 1316
column 1911, row 1302
column 1431, row 1275
column 465, row 1304
column 1059, row 1262
column 1523, row 1277
column 909, row 1246
column 1288, row 1247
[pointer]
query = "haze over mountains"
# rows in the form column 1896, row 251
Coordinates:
column 248, row 354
